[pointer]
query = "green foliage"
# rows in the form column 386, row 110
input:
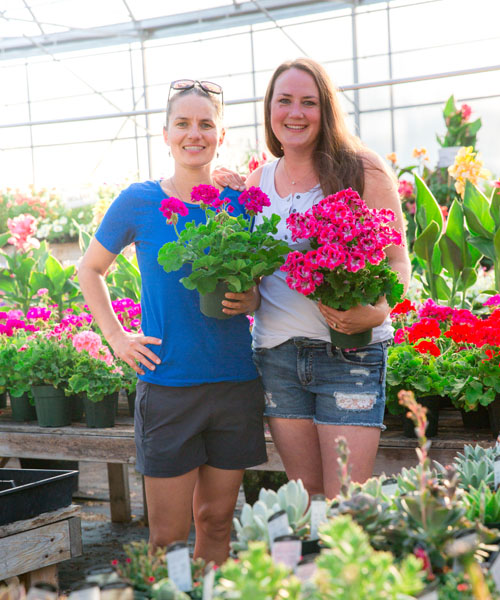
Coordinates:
column 483, row 504
column 364, row 287
column 143, row 567
column 256, row 577
column 224, row 249
column 460, row 132
column 350, row 569
column 124, row 279
column 47, row 361
column 12, row 374
column 93, row 377
column 475, row 466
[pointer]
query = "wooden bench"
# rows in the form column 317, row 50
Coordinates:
column 31, row 549
column 115, row 446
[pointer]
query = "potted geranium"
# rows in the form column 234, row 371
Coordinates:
column 47, row 361
column 226, row 253
column 13, row 379
column 95, row 375
column 346, row 264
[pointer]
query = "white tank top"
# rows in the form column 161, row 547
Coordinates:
column 285, row 313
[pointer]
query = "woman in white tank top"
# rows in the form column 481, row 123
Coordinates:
column 316, row 392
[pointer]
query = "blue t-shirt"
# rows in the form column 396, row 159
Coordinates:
column 195, row 349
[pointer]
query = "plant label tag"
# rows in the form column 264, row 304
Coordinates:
column 287, row 550
column 208, row 583
column 495, row 571
column 496, row 470
column 305, row 569
column 277, row 525
column 389, row 487
column 86, row 591
column 432, row 595
column 318, row 514
column 179, row 566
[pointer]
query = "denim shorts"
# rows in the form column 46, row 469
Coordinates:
column 311, row 379
column 180, row 428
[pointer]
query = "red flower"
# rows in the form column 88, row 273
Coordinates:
column 151, row 579
column 466, row 111
column 425, row 328
column 403, row 308
column 428, row 348
column 424, row 557
column 114, row 562
column 462, row 587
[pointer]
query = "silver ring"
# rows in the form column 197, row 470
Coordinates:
column 334, row 326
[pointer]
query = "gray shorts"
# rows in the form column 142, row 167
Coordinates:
column 180, row 428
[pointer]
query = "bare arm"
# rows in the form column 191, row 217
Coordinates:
column 129, row 347
column 380, row 192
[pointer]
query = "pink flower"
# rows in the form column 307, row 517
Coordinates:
column 205, row 194
column 42, row 292
column 254, row 200
column 492, row 300
column 405, row 189
column 466, row 111
column 496, row 184
column 171, row 207
column 22, row 228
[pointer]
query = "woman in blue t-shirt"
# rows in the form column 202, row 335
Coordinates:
column 199, row 404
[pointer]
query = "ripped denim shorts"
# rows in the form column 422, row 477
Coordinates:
column 311, row 379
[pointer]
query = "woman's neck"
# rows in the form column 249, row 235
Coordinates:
column 298, row 161
column 184, row 180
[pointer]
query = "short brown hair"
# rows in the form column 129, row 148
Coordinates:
column 335, row 157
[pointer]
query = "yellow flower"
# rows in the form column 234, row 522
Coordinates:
column 467, row 166
column 420, row 153
column 392, row 158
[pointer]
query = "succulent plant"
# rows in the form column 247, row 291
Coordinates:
column 476, row 465
column 483, row 504
column 165, row 589
column 291, row 497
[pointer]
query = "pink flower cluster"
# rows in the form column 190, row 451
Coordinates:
column 205, row 194
column 171, row 208
column 22, row 229
column 37, row 312
column 466, row 111
column 128, row 313
column 92, row 343
column 348, row 235
column 435, row 311
column 405, row 189
column 254, row 200
column 255, row 162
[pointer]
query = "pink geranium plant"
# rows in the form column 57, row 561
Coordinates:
column 345, row 264
column 224, row 248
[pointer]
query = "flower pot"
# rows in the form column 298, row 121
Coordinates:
column 355, row 340
column 475, row 419
column 53, row 409
column 77, row 409
column 310, row 547
column 494, row 416
column 446, row 156
column 22, row 409
column 131, row 403
column 101, row 413
column 3, row 400
column 210, row 303
column 432, row 405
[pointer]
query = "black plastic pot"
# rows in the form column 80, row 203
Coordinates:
column 494, row 415
column 476, row 419
column 53, row 408
column 310, row 547
column 3, row 400
column 211, row 303
column 77, row 408
column 353, row 340
column 432, row 404
column 22, row 409
column 35, row 492
column 101, row 413
column 131, row 403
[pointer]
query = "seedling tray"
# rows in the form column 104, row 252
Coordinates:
column 35, row 491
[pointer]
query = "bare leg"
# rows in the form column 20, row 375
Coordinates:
column 298, row 445
column 362, row 443
column 169, row 502
column 215, row 497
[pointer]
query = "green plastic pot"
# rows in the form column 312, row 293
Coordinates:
column 101, row 413
column 211, row 303
column 77, row 408
column 53, row 408
column 22, row 409
column 355, row 340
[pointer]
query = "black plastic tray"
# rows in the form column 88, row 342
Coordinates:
column 36, row 491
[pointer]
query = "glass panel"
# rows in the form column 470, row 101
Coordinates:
column 417, row 128
column 15, row 137
column 13, row 85
column 18, row 165
column 376, row 131
column 83, row 131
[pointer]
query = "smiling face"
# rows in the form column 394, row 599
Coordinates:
column 194, row 130
column 295, row 110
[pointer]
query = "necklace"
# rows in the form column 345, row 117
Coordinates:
column 295, row 181
column 174, row 187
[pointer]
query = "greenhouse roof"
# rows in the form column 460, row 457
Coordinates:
column 30, row 27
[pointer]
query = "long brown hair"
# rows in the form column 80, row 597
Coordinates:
column 336, row 159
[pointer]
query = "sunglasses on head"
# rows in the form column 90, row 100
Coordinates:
column 182, row 85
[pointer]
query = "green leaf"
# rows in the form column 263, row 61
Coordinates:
column 4, row 237
column 496, row 242
column 484, row 245
column 234, row 281
column 477, row 212
column 442, row 288
column 56, row 273
column 495, row 207
column 449, row 108
column 428, row 209
column 451, row 257
column 425, row 243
